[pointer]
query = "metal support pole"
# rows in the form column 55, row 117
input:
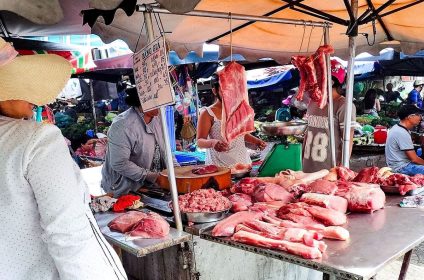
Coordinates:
column 349, row 92
column 169, row 160
column 93, row 106
column 405, row 265
column 330, row 99
column 196, row 13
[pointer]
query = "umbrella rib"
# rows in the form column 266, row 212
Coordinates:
column 383, row 25
column 376, row 12
column 3, row 28
column 401, row 8
column 247, row 24
column 315, row 12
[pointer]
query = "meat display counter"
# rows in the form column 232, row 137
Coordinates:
column 138, row 247
column 375, row 240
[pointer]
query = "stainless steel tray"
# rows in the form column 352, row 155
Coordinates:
column 283, row 128
column 204, row 217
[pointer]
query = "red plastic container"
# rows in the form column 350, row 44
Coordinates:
column 380, row 134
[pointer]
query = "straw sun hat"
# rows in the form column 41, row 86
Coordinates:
column 37, row 79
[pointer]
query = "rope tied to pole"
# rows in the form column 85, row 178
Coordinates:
column 231, row 35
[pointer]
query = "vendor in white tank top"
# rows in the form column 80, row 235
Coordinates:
column 209, row 136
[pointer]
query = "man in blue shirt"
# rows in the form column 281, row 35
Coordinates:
column 414, row 97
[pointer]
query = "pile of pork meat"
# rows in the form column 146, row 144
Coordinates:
column 295, row 211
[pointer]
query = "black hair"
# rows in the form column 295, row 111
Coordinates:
column 132, row 98
column 215, row 81
column 369, row 99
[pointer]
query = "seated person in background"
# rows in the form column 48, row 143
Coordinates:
column 392, row 95
column 400, row 153
column 371, row 103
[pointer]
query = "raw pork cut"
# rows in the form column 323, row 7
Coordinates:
column 246, row 186
column 208, row 169
column 125, row 222
column 150, row 226
column 313, row 75
column 240, row 201
column 344, row 173
column 291, row 224
column 227, row 226
column 328, row 217
column 335, row 232
column 323, row 186
column 367, row 175
column 287, row 246
column 365, row 199
column 327, row 201
column 272, row 192
column 402, row 181
column 237, row 115
column 264, row 208
column 204, row 200
column 308, row 214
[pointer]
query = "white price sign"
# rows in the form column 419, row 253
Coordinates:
column 152, row 76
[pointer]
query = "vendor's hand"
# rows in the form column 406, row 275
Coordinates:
column 221, row 146
column 261, row 145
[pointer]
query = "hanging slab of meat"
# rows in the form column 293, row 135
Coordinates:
column 313, row 75
column 227, row 226
column 151, row 226
column 126, row 222
column 328, row 217
column 203, row 200
column 237, row 115
column 240, row 201
column 367, row 175
column 327, row 201
column 272, row 192
column 246, row 186
column 365, row 199
column 320, row 66
column 323, row 186
column 208, row 169
column 287, row 246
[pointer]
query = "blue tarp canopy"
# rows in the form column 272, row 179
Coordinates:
column 192, row 57
column 271, row 82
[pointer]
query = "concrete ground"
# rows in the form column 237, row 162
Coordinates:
column 391, row 271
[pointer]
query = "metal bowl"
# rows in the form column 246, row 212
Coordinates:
column 239, row 175
column 204, row 217
column 284, row 128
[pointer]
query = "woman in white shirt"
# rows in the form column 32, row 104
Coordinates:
column 47, row 229
column 209, row 136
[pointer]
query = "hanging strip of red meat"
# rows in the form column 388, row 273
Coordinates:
column 313, row 75
column 237, row 115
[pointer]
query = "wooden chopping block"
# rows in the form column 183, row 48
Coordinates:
column 188, row 182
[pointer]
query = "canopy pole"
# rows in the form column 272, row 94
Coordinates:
column 349, row 90
column 169, row 161
column 197, row 13
column 93, row 106
column 330, row 99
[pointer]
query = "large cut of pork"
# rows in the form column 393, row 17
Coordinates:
column 365, row 199
column 227, row 226
column 126, row 222
column 272, row 192
column 237, row 115
column 151, row 226
column 240, row 201
column 295, row 248
column 327, row 201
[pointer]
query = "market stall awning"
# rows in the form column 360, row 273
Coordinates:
column 256, row 40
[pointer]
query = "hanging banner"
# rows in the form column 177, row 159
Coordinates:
column 152, row 76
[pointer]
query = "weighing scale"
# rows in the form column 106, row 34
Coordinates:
column 283, row 155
